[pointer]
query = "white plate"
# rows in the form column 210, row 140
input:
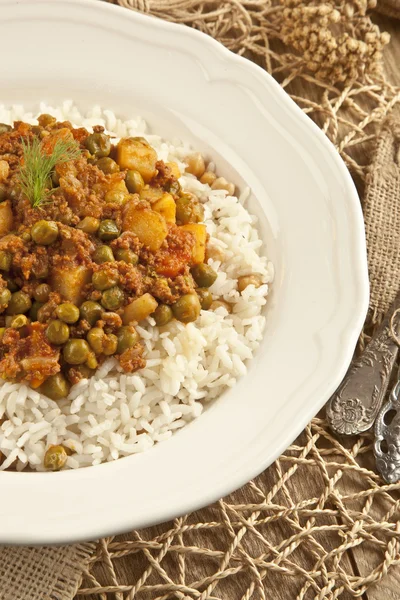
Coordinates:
column 189, row 86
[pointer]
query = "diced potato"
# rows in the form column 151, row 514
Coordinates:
column 6, row 218
column 136, row 154
column 117, row 186
column 200, row 233
column 149, row 226
column 70, row 281
column 4, row 170
column 174, row 168
column 139, row 309
column 166, row 207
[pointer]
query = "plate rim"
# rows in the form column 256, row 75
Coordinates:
column 351, row 335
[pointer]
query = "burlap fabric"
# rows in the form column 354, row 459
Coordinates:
column 318, row 523
column 382, row 218
column 42, row 573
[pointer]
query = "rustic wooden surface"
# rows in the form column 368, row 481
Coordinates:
column 359, row 560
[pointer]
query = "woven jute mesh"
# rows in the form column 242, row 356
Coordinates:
column 319, row 523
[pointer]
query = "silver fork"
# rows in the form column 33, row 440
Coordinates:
column 354, row 406
column 387, row 436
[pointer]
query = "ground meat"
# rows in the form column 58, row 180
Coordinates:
column 11, row 142
column 132, row 359
column 164, row 177
column 76, row 246
column 127, row 241
column 41, row 264
column 160, row 289
column 131, row 279
column 31, row 357
column 80, row 330
column 175, row 254
column 110, row 322
column 181, row 285
column 81, row 189
column 12, row 243
column 74, row 375
column 46, row 312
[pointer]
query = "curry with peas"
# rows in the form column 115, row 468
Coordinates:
column 95, row 236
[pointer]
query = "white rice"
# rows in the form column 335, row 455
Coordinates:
column 115, row 414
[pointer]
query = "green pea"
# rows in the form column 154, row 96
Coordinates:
column 33, row 313
column 3, row 192
column 110, row 344
column 76, row 351
column 5, row 260
column 107, row 165
column 55, row 456
column 187, row 308
column 117, row 197
column 221, row 304
column 113, row 298
column 45, row 120
column 103, row 254
column 25, row 237
column 84, row 370
column 98, row 144
column 42, row 292
column 134, row 182
column 95, row 338
column 14, row 191
column 12, row 286
column 188, row 210
column 127, row 338
column 91, row 312
column 5, row 297
column 19, row 321
column 127, row 256
column 55, row 387
column 89, row 225
column 44, row 232
column 68, row 312
column 162, row 315
column 55, row 179
column 57, row 332
column 174, row 187
column 91, row 361
column 205, row 297
column 102, row 280
column 108, row 230
column 19, row 303
column 5, row 128
column 204, row 275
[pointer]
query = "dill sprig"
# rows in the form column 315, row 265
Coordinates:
column 38, row 166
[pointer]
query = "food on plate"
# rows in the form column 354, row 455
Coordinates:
column 131, row 288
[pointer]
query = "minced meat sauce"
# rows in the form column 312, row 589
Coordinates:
column 109, row 239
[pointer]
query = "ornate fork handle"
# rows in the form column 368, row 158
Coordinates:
column 354, row 406
column 387, row 437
